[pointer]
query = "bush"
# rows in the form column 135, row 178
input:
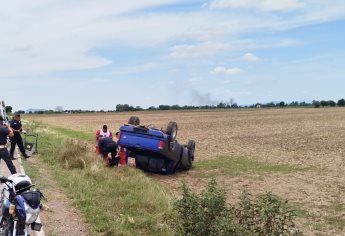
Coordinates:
column 75, row 155
column 208, row 214
column 265, row 215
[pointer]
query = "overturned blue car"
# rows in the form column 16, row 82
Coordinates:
column 156, row 150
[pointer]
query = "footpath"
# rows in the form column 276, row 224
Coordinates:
column 5, row 172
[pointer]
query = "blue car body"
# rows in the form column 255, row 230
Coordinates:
column 153, row 151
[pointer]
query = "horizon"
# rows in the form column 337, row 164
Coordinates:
column 263, row 104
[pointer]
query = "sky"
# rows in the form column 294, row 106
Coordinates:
column 97, row 54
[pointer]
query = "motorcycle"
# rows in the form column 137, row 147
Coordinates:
column 20, row 206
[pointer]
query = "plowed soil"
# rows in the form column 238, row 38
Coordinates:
column 312, row 138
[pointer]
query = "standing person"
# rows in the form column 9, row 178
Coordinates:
column 102, row 133
column 16, row 126
column 121, row 151
column 5, row 131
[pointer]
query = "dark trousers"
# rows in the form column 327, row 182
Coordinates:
column 17, row 139
column 110, row 148
column 6, row 157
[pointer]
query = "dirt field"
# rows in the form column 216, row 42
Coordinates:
column 310, row 138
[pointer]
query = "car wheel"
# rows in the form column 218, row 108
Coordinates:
column 172, row 130
column 191, row 148
column 134, row 120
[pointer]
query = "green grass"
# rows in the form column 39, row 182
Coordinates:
column 75, row 134
column 337, row 206
column 336, row 222
column 114, row 201
column 234, row 166
column 298, row 210
column 31, row 170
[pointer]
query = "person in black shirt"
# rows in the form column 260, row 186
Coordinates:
column 5, row 131
column 107, row 145
column 16, row 125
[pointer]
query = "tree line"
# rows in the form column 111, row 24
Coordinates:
column 220, row 105
column 225, row 105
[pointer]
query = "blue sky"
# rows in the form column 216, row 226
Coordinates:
column 96, row 54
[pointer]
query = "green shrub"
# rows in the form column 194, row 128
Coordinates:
column 208, row 214
column 265, row 215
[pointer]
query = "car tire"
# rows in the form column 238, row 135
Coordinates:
column 134, row 120
column 172, row 130
column 191, row 148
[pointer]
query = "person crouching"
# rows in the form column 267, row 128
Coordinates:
column 107, row 145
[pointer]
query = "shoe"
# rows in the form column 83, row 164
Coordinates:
column 13, row 158
column 26, row 156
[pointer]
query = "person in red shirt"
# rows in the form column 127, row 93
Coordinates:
column 121, row 152
column 102, row 133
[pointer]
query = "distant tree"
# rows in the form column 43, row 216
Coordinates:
column 234, row 105
column 8, row 109
column 124, row 107
column 305, row 104
column 164, row 107
column 221, row 105
column 175, row 107
column 294, row 104
column 138, row 108
column 20, row 112
column 316, row 103
column 270, row 104
column 282, row 104
column 332, row 103
column 152, row 108
column 341, row 102
column 324, row 103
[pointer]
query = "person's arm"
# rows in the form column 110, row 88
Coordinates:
column 15, row 130
column 97, row 134
column 10, row 131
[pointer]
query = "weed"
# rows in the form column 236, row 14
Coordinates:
column 208, row 214
column 75, row 154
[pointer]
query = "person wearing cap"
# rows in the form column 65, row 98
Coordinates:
column 6, row 131
column 102, row 133
column 16, row 126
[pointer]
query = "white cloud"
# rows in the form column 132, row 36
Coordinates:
column 143, row 67
column 197, row 50
column 204, row 5
column 251, row 57
column 44, row 36
column 220, row 70
column 194, row 79
column 263, row 5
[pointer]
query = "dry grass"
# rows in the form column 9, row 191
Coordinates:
column 311, row 138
